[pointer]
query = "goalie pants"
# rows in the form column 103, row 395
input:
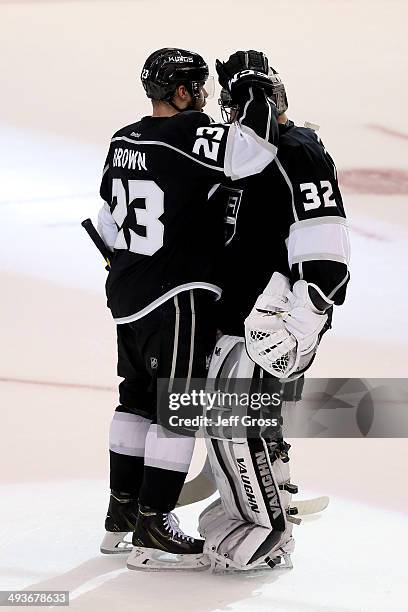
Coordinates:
column 173, row 341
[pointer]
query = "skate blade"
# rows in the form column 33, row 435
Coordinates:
column 283, row 561
column 311, row 506
column 279, row 558
column 115, row 543
column 152, row 559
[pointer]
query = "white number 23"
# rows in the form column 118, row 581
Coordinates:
column 209, row 141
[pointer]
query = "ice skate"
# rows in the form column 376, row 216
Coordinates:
column 160, row 544
column 119, row 523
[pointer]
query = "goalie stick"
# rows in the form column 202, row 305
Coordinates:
column 203, row 486
column 98, row 242
column 310, row 506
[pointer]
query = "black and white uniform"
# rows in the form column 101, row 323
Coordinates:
column 289, row 219
column 166, row 234
column 158, row 176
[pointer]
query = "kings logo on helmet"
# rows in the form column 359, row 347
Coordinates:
column 180, row 58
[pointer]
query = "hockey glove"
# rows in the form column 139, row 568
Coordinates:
column 284, row 328
column 243, row 70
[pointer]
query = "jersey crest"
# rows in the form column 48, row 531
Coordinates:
column 233, row 199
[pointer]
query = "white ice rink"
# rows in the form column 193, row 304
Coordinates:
column 69, row 78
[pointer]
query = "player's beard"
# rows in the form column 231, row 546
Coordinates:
column 199, row 103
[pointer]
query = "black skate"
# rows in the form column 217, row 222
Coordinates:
column 159, row 543
column 120, row 521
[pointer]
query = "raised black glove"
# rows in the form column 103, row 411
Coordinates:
column 242, row 70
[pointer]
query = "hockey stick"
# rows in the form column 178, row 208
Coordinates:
column 203, row 486
column 98, row 242
column 310, row 506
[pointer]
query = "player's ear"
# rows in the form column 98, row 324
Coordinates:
column 182, row 92
column 182, row 97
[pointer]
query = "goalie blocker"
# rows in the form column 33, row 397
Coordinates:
column 250, row 524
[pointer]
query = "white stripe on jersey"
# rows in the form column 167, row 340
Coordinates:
column 175, row 343
column 167, row 296
column 248, row 102
column 317, row 239
column 213, row 190
column 192, row 338
column 268, row 125
column 345, row 280
column 289, row 184
column 168, row 146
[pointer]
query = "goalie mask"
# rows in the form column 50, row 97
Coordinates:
column 229, row 110
column 166, row 69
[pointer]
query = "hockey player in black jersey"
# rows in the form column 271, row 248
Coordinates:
column 285, row 266
column 166, row 236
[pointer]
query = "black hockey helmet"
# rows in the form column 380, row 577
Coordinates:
column 166, row 69
column 278, row 96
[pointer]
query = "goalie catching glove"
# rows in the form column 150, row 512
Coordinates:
column 244, row 69
column 283, row 330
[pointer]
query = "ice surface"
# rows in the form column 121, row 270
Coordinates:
column 69, row 79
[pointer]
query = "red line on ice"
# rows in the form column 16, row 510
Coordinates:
column 48, row 383
column 389, row 131
column 376, row 181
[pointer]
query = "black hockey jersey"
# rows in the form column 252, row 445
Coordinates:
column 157, row 180
column 290, row 218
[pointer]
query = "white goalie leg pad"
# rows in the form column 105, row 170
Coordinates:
column 282, row 474
column 230, row 360
column 236, row 544
column 246, row 482
column 242, row 467
column 250, row 523
column 212, row 523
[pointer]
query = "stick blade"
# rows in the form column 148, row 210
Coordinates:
column 311, row 506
